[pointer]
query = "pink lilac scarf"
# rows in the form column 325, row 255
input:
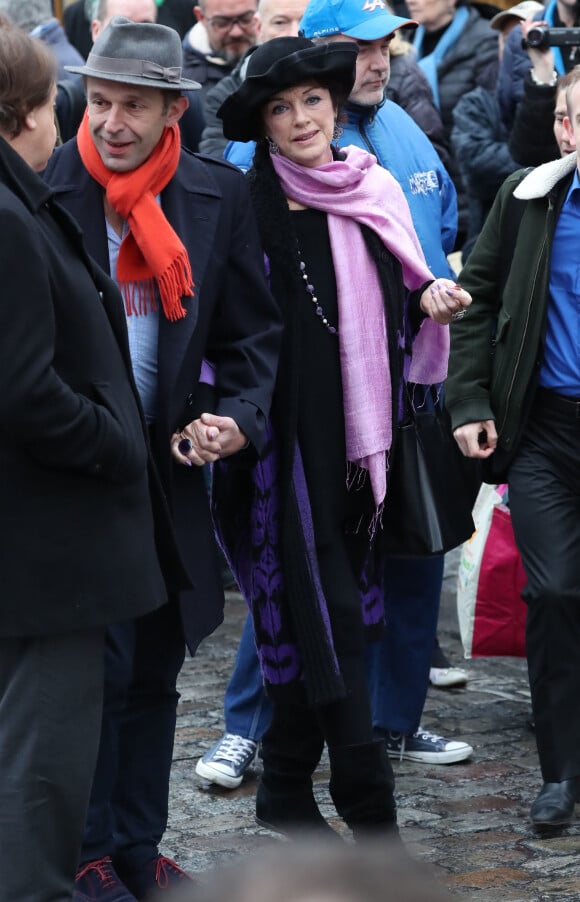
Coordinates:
column 358, row 190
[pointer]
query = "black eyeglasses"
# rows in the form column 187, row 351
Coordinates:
column 225, row 23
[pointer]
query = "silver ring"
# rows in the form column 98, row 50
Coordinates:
column 459, row 314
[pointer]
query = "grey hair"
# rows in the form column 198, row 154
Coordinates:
column 27, row 14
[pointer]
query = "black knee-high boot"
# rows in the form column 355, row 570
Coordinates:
column 362, row 788
column 291, row 750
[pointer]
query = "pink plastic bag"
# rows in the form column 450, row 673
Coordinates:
column 491, row 613
column 500, row 614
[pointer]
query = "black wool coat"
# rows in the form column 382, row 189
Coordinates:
column 77, row 546
column 232, row 321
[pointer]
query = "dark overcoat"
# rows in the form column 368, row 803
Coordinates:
column 232, row 321
column 77, row 546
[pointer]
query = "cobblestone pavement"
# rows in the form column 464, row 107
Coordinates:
column 469, row 819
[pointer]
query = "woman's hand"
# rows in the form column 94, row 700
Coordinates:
column 206, row 440
column 444, row 301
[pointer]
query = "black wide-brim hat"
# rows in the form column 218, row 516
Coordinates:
column 282, row 63
column 137, row 53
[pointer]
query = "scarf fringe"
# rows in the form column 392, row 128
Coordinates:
column 140, row 297
column 174, row 283
column 376, row 521
column 356, row 476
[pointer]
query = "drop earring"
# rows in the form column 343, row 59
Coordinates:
column 272, row 146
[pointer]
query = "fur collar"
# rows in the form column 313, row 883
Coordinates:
column 543, row 178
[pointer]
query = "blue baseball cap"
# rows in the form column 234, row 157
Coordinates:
column 367, row 20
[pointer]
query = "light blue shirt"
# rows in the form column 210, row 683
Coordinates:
column 560, row 370
column 143, row 336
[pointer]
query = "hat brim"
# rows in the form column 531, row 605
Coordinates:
column 184, row 84
column 241, row 112
column 379, row 27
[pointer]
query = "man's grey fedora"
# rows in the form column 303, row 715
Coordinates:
column 137, row 53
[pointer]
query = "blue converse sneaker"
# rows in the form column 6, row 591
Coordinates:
column 227, row 761
column 426, row 747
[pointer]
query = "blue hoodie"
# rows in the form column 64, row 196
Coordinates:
column 400, row 146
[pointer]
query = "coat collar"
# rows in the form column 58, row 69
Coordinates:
column 543, row 178
column 21, row 179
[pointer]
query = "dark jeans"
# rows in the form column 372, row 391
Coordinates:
column 129, row 800
column 544, row 483
column 51, row 691
column 398, row 665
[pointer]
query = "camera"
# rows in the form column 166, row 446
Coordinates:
column 542, row 36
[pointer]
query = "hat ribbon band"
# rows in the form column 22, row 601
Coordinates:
column 143, row 68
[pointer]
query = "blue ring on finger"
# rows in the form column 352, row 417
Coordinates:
column 184, row 446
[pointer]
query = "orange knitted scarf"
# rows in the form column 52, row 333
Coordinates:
column 151, row 253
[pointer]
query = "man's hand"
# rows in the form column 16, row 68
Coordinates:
column 210, row 438
column 477, row 439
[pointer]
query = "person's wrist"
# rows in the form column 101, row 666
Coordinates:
column 544, row 80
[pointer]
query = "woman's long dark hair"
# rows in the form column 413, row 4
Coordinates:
column 277, row 233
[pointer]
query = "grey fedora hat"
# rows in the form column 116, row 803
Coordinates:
column 137, row 53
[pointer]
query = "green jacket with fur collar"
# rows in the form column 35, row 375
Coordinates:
column 497, row 348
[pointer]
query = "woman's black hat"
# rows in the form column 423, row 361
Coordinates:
column 282, row 63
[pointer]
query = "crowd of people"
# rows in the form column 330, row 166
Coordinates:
column 254, row 206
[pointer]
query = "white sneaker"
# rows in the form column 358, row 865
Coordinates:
column 447, row 677
column 227, row 761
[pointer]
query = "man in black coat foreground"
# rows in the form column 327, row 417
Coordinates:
column 79, row 547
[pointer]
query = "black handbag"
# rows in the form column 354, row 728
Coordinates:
column 431, row 486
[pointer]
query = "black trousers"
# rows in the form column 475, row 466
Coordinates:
column 130, row 795
column 544, row 483
column 51, row 691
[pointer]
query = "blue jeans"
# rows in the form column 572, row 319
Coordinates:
column 246, row 706
column 397, row 666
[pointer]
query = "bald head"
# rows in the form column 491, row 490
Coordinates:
column 279, row 18
column 136, row 10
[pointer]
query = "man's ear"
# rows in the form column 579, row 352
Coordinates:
column 176, row 110
column 198, row 13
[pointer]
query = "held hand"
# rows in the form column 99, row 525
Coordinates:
column 477, row 439
column 206, row 440
column 445, row 301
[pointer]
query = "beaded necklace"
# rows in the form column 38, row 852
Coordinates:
column 310, row 289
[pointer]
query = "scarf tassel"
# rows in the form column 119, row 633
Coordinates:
column 140, row 297
column 174, row 283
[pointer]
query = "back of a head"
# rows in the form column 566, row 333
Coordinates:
column 321, row 872
column 135, row 10
column 27, row 14
column 27, row 74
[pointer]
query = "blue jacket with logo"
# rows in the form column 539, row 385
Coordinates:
column 400, row 146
